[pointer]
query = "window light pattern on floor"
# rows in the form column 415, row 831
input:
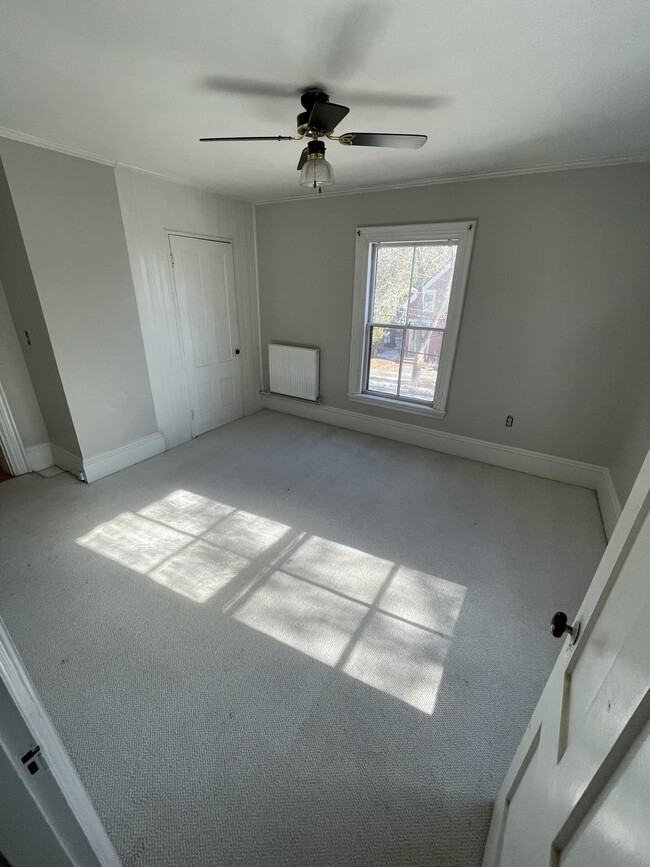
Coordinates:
column 379, row 622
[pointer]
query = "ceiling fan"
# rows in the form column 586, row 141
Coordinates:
column 319, row 120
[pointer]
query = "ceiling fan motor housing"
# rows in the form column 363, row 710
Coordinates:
column 308, row 100
column 311, row 96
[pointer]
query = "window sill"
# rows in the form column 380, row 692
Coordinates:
column 399, row 405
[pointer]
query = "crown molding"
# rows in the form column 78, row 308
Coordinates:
column 16, row 135
column 204, row 188
column 465, row 176
column 24, row 137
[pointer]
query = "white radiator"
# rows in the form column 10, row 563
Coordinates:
column 294, row 371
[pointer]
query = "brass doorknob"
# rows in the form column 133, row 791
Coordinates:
column 560, row 625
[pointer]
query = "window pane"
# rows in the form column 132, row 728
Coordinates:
column 383, row 369
column 420, row 364
column 392, row 283
column 433, row 269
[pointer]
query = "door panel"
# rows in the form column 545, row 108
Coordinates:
column 580, row 797
column 610, row 677
column 197, row 299
column 227, row 393
column 222, row 315
column 204, row 277
column 521, row 802
column 614, row 832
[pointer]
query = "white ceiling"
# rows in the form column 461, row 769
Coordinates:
column 510, row 84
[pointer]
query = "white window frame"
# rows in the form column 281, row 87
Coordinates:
column 460, row 232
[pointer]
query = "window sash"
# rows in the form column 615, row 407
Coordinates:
column 406, row 327
column 372, row 271
column 368, row 356
column 448, row 242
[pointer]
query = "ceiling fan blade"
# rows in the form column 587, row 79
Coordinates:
column 358, row 27
column 254, row 87
column 249, row 87
column 385, row 140
column 327, row 115
column 392, row 100
column 303, row 158
column 252, row 138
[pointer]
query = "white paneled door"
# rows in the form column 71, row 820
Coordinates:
column 205, row 288
column 578, row 791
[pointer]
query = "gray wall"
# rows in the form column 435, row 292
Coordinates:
column 555, row 323
column 22, row 299
column 17, row 385
column 69, row 215
column 634, row 439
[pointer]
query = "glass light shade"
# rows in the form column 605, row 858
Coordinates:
column 316, row 173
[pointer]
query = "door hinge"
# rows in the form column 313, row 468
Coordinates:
column 192, row 414
column 29, row 759
column 171, row 256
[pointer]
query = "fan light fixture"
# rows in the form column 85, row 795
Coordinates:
column 316, row 173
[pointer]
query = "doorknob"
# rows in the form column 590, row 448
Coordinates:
column 237, row 351
column 560, row 625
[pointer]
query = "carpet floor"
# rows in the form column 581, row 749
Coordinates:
column 288, row 644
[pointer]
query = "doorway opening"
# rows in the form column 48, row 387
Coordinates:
column 5, row 475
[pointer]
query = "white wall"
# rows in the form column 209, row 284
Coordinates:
column 556, row 319
column 70, row 219
column 17, row 385
column 151, row 207
column 27, row 314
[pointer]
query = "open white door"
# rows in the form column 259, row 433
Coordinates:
column 46, row 817
column 578, row 791
column 205, row 288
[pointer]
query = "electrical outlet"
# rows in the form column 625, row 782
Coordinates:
column 509, row 420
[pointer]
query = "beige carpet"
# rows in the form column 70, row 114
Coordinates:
column 288, row 644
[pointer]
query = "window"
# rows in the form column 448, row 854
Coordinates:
column 409, row 288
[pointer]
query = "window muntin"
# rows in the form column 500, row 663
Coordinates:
column 409, row 288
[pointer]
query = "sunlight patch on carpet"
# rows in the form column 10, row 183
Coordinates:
column 379, row 622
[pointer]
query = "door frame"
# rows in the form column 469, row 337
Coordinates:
column 199, row 236
column 10, row 439
column 85, row 820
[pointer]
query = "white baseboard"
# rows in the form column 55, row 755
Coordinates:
column 68, row 461
column 591, row 476
column 125, row 456
column 39, row 457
